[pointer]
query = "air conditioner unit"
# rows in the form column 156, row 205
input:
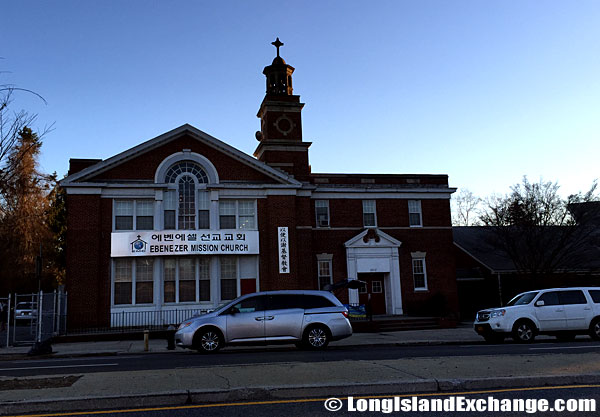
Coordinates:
column 323, row 222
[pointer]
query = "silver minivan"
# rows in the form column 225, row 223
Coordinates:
column 310, row 319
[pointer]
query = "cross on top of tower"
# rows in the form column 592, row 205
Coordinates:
column 277, row 44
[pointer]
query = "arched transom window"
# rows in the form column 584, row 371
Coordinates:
column 186, row 167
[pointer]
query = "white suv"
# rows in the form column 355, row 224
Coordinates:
column 562, row 312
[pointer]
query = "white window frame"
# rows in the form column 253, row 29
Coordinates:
column 414, row 207
column 324, row 259
column 419, row 257
column 320, row 204
column 134, row 214
column 238, row 223
column 133, row 273
column 369, row 205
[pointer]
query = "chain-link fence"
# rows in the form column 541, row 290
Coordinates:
column 31, row 318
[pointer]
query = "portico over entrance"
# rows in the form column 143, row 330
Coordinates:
column 373, row 254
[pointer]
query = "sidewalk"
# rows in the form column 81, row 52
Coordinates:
column 272, row 381
column 462, row 334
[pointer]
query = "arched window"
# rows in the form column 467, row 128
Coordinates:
column 186, row 199
column 186, row 167
column 187, row 203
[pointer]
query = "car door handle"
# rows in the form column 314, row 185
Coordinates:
column 560, row 310
column 587, row 308
column 259, row 318
column 269, row 317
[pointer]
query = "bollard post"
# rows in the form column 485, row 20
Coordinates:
column 171, row 338
column 146, row 339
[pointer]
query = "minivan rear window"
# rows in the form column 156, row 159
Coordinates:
column 595, row 296
column 316, row 301
column 284, row 301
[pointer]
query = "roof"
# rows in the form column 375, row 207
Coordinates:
column 483, row 244
column 186, row 129
column 478, row 242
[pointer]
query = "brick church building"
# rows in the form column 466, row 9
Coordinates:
column 185, row 221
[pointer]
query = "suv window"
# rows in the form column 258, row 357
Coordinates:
column 595, row 296
column 522, row 299
column 250, row 305
column 316, row 301
column 572, row 297
column 550, row 298
column 284, row 301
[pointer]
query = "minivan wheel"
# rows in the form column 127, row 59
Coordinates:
column 316, row 337
column 208, row 341
column 595, row 329
column 523, row 332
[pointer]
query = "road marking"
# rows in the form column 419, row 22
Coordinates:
column 95, row 358
column 306, row 400
column 60, row 366
column 565, row 347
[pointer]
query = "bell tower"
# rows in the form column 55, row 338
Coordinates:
column 280, row 134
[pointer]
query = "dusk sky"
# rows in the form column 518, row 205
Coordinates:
column 484, row 91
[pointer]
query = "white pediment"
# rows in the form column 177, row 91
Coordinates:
column 372, row 238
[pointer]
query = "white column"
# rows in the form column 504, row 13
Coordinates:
column 395, row 282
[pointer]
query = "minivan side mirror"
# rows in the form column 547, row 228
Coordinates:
column 539, row 303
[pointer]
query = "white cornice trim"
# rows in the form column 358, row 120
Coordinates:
column 169, row 136
column 363, row 193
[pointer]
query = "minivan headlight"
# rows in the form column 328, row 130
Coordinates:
column 497, row 313
column 184, row 325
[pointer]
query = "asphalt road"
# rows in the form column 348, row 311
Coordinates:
column 316, row 406
column 191, row 359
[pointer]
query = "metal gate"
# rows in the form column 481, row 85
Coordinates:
column 35, row 317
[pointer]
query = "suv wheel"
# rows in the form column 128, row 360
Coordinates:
column 595, row 329
column 316, row 337
column 208, row 341
column 523, row 332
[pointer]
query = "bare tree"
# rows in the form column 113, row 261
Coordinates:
column 11, row 124
column 537, row 228
column 466, row 208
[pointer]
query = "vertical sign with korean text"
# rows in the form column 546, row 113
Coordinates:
column 284, row 250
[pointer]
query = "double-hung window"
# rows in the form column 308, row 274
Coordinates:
column 322, row 213
column 325, row 276
column 235, row 214
column 203, row 209
column 369, row 217
column 415, row 216
column 419, row 271
column 228, row 277
column 130, row 213
column 133, row 281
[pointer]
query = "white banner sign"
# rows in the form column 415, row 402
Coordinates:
column 284, row 250
column 190, row 242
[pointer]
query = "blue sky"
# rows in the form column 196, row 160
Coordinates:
column 484, row 91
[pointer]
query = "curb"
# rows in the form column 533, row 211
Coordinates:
column 19, row 356
column 191, row 397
